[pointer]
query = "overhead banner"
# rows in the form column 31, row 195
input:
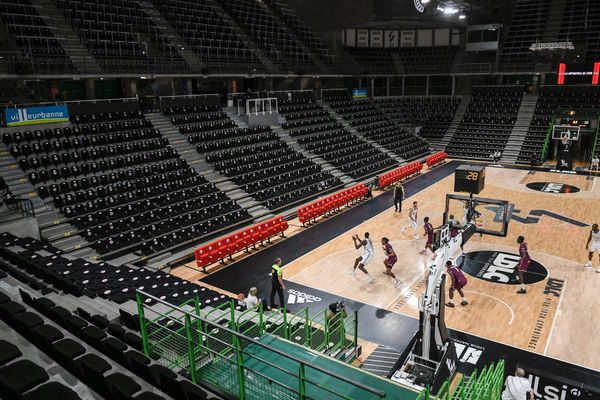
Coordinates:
column 36, row 115
column 376, row 38
column 391, row 39
column 407, row 39
column 362, row 37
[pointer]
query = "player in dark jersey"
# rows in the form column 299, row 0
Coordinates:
column 429, row 233
column 524, row 262
column 458, row 281
column 390, row 260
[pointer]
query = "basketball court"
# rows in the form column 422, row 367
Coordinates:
column 554, row 214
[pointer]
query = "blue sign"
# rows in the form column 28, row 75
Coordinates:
column 359, row 93
column 36, row 115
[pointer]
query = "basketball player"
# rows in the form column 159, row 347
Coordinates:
column 524, row 262
column 458, row 281
column 594, row 239
column 366, row 257
column 390, row 260
column 412, row 219
column 429, row 233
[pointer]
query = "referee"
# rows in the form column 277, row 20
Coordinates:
column 277, row 285
column 398, row 197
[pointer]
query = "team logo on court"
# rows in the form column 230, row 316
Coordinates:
column 552, row 187
column 296, row 297
column 498, row 267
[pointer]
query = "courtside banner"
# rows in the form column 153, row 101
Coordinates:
column 36, row 115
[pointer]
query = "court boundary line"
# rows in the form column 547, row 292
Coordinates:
column 512, row 312
column 555, row 316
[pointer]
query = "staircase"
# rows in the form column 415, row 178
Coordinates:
column 554, row 21
column 74, row 48
column 52, row 224
column 398, row 62
column 271, row 68
column 325, row 166
column 381, row 361
column 195, row 160
column 519, row 131
column 188, row 55
column 458, row 116
column 356, row 133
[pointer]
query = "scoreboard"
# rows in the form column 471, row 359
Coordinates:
column 469, row 178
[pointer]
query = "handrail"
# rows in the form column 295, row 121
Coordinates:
column 264, row 346
column 15, row 203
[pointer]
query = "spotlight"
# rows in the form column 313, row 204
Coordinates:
column 450, row 10
column 424, row 1
column 462, row 16
column 440, row 8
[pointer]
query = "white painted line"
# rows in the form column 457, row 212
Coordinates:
column 512, row 318
column 555, row 315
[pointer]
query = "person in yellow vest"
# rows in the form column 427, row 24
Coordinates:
column 277, row 285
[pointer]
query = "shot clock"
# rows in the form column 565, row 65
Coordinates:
column 469, row 178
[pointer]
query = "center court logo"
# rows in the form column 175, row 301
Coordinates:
column 498, row 267
column 552, row 187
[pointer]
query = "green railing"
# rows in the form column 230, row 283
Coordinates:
column 486, row 385
column 596, row 139
column 212, row 353
column 546, row 147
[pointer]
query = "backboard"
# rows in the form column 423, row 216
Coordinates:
column 490, row 216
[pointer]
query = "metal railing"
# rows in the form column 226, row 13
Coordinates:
column 16, row 203
column 212, row 353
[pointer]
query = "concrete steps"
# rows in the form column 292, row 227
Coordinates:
column 74, row 48
column 458, row 116
column 189, row 153
column 519, row 131
column 188, row 55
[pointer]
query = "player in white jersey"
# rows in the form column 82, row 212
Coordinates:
column 366, row 257
column 593, row 245
column 412, row 219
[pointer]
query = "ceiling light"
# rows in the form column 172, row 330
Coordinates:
column 462, row 16
column 424, row 1
column 450, row 10
column 440, row 8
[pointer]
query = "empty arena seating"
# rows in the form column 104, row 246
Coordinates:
column 319, row 133
column 428, row 59
column 375, row 125
column 121, row 36
column 331, row 203
column 301, row 29
column 436, row 159
column 373, row 61
column 433, row 113
column 218, row 44
column 526, row 27
column 118, row 183
column 269, row 34
column 584, row 101
column 227, row 246
column 399, row 174
column 487, row 122
column 254, row 158
column 41, row 51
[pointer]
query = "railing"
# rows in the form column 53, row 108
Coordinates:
column 486, row 385
column 15, row 203
column 595, row 146
column 546, row 146
column 221, row 357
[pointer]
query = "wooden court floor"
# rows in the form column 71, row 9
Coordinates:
column 557, row 317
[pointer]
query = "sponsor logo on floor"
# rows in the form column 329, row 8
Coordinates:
column 498, row 267
column 297, row 297
column 552, row 187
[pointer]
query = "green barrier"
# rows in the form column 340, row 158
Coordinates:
column 596, row 139
column 245, row 368
column 546, row 147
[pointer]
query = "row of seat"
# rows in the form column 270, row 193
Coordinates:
column 400, row 174
column 332, row 203
column 436, row 158
column 229, row 245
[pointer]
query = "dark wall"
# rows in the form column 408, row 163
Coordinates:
column 326, row 15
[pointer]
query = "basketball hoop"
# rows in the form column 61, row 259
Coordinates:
column 565, row 140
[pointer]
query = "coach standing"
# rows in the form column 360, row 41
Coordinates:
column 277, row 285
column 398, row 197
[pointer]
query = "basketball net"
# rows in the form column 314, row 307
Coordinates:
column 564, row 140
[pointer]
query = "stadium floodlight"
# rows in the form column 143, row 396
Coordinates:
column 552, row 46
column 424, row 1
column 440, row 8
column 462, row 16
column 450, row 10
